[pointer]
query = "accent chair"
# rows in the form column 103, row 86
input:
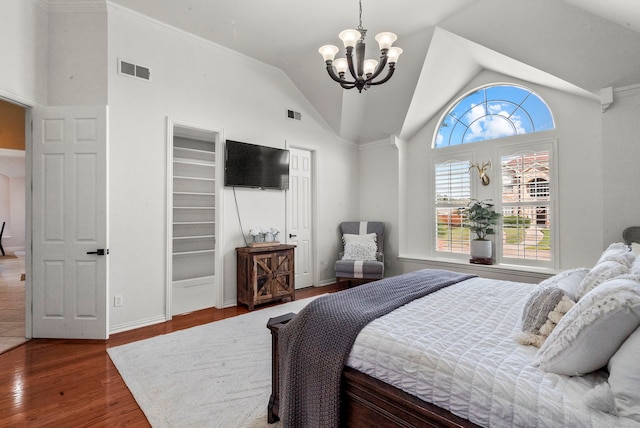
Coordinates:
column 362, row 257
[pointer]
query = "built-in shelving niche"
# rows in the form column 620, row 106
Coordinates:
column 194, row 160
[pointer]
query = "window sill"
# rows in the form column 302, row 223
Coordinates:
column 496, row 271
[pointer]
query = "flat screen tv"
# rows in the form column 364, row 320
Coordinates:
column 252, row 165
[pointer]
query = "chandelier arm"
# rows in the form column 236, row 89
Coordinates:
column 380, row 67
column 392, row 68
column 333, row 75
column 348, row 85
column 349, row 56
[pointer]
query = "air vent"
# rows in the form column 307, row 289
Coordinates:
column 134, row 70
column 296, row 115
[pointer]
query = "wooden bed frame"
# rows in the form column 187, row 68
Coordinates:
column 367, row 402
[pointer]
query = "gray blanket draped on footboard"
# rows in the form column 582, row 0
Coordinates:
column 315, row 345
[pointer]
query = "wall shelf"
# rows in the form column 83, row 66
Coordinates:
column 194, row 204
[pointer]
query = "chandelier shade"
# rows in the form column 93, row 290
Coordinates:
column 362, row 71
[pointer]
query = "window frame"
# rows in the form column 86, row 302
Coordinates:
column 455, row 103
column 495, row 150
column 512, row 149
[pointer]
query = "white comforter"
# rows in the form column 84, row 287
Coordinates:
column 455, row 348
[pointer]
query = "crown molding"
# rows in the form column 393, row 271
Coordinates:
column 627, row 91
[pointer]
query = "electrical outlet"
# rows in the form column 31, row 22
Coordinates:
column 117, row 300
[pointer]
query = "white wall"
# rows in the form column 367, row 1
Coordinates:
column 23, row 43
column 12, row 212
column 77, row 53
column 379, row 197
column 621, row 172
column 581, row 186
column 17, row 214
column 198, row 82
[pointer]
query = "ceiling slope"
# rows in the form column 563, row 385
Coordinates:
column 580, row 46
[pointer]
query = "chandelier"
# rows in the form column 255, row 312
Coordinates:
column 363, row 71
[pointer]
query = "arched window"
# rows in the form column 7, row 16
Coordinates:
column 491, row 112
column 522, row 175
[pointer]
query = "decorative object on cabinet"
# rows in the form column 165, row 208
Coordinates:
column 264, row 236
column 265, row 274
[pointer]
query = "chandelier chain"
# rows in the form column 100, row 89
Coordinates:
column 360, row 25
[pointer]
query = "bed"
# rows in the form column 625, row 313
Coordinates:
column 460, row 355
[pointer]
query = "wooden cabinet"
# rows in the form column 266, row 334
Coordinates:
column 265, row 274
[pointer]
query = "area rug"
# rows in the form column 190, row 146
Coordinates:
column 213, row 375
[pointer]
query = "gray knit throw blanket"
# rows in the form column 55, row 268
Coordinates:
column 315, row 345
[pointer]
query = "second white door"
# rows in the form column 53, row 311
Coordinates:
column 300, row 215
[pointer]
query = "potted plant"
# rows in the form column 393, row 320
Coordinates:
column 481, row 219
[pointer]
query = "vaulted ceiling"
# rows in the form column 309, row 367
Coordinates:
column 579, row 46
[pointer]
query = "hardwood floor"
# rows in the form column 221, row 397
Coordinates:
column 73, row 383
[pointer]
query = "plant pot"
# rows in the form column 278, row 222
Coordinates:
column 481, row 249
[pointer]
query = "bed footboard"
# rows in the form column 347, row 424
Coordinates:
column 274, row 325
column 366, row 402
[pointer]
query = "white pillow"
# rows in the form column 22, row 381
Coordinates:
column 593, row 330
column 568, row 281
column 599, row 274
column 624, row 377
column 367, row 237
column 635, row 248
column 360, row 251
column 618, row 252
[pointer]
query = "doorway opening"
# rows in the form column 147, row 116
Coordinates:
column 13, row 220
column 194, row 167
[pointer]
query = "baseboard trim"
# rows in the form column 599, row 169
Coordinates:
column 136, row 324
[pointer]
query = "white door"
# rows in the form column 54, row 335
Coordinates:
column 299, row 216
column 69, row 223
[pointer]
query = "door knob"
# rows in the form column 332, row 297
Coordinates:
column 291, row 235
column 99, row 252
